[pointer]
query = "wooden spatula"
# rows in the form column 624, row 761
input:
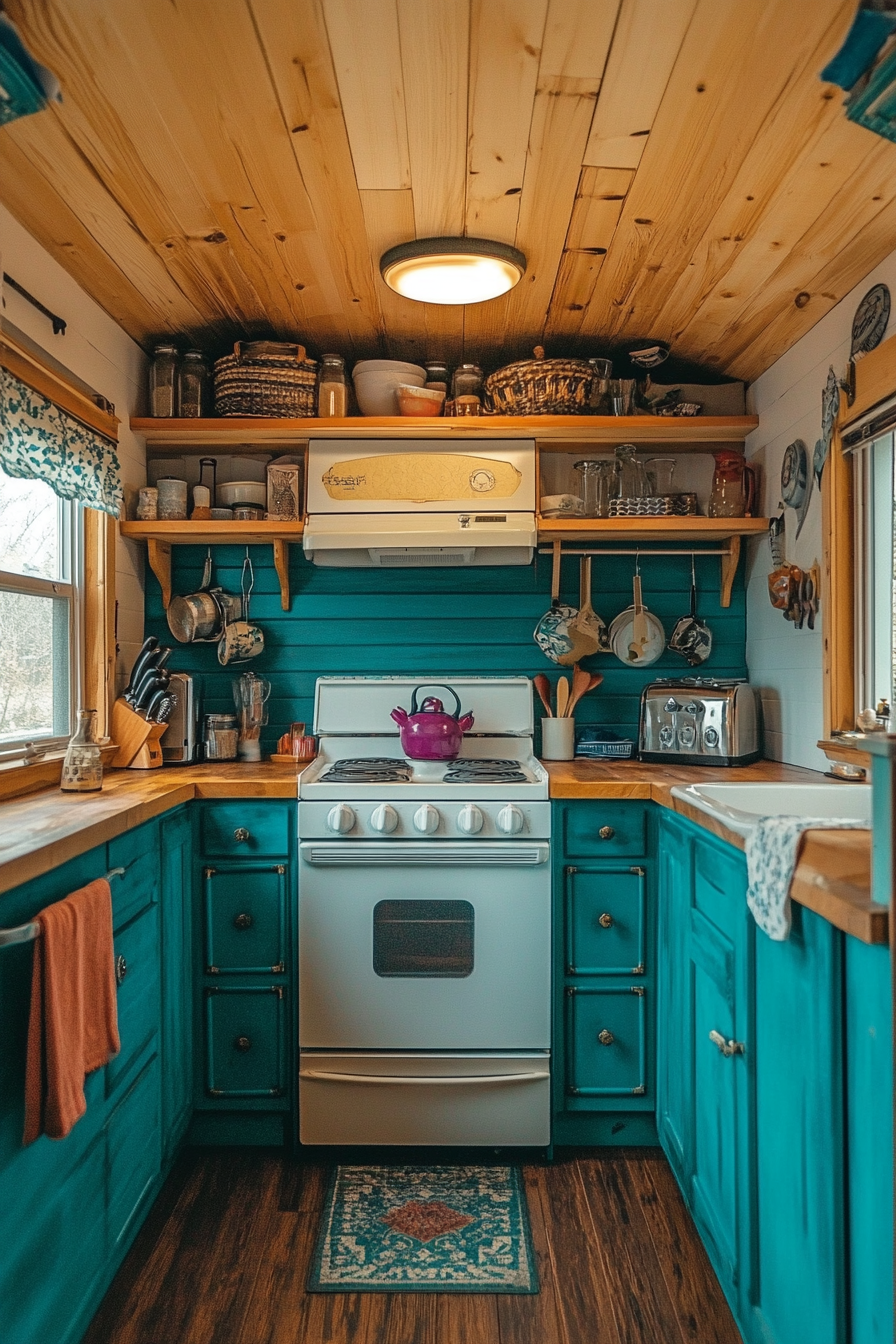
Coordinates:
column 562, row 697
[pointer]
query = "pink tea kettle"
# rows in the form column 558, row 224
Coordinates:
column 428, row 733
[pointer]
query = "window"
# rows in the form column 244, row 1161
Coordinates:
column 875, row 642
column 40, row 620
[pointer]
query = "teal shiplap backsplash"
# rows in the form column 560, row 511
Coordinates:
column 437, row 623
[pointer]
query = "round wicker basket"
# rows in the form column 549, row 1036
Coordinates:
column 541, row 386
column 265, row 378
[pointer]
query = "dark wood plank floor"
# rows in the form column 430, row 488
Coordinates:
column 223, row 1256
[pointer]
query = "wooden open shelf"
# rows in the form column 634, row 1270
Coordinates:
column 699, row 433
column 161, row 536
column 725, row 532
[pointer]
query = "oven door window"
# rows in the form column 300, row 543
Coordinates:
column 423, row 939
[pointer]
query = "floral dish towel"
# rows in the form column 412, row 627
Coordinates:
column 772, row 851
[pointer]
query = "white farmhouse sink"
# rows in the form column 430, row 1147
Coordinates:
column 739, row 806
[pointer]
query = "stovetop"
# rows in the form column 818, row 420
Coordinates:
column 488, row 769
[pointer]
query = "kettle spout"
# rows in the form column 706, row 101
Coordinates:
column 465, row 723
column 400, row 716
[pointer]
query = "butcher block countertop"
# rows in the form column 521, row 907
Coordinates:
column 40, row 831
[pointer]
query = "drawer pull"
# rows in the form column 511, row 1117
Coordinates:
column 726, row 1048
column 242, row 1043
column 606, row 1037
column 605, row 921
column 243, row 921
column 606, row 832
column 240, row 835
column 121, row 969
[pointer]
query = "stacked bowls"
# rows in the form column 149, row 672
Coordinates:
column 377, row 381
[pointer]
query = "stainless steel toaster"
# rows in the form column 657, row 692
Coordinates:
column 180, row 744
column 699, row 721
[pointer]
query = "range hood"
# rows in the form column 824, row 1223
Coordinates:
column 420, row 504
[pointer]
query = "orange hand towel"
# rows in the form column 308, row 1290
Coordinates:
column 73, row 1027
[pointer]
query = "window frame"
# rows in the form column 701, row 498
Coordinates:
column 868, row 473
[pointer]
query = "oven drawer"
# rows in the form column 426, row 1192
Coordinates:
column 606, row 1041
column 605, row 920
column 416, row 1099
column 245, row 919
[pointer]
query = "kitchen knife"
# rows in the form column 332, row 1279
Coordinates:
column 155, row 704
column 151, row 682
column 141, row 663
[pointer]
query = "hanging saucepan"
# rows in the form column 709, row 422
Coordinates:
column 691, row 637
column 197, row 615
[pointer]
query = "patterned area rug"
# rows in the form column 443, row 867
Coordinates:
column 461, row 1229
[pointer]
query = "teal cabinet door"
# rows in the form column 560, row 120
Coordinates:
column 245, row 914
column 799, row 1133
column 133, row 1153
column 606, row 915
column 675, row 1009
column 245, row 1037
column 177, row 978
column 138, row 971
column 720, row 952
column 606, row 1041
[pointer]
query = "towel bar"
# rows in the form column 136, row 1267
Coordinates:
column 26, row 933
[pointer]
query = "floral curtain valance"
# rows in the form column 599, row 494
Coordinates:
column 40, row 441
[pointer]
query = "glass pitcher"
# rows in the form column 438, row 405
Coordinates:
column 631, row 477
column 733, row 486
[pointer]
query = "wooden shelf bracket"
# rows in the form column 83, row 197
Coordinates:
column 159, row 555
column 729, row 569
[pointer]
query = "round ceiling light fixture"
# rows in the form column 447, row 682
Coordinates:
column 452, row 270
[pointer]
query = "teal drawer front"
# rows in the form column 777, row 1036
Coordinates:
column 246, row 829
column 138, row 992
column 137, row 853
column 594, row 829
column 134, row 1149
column 245, row 918
column 606, row 1041
column 245, row 1028
column 605, row 921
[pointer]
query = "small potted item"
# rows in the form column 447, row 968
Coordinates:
column 428, row 732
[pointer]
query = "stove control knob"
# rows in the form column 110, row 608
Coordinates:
column 426, row 819
column 384, row 818
column 340, row 819
column 469, row 819
column 509, row 820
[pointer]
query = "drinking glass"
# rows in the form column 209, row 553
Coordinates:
column 622, row 395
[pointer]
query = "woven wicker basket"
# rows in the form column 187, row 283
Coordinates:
column 265, row 378
column 541, row 386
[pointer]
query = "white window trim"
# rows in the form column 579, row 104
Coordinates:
column 867, row 508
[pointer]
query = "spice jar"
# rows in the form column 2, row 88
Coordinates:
column 82, row 769
column 220, row 737
column 332, row 388
column 192, row 385
column 467, row 381
column 436, row 375
column 163, row 381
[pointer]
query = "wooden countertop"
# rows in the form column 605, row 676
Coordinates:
column 43, row 830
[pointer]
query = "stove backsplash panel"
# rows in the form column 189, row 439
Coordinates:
column 437, row 622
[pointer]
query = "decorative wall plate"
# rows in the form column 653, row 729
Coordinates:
column 870, row 321
column 796, row 480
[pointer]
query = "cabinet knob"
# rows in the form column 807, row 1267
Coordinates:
column 726, row 1048
column 606, row 1037
column 606, row 832
column 242, row 1043
column 605, row 921
column 240, row 835
column 121, row 969
column 242, row 922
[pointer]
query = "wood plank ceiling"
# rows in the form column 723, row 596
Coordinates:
column 671, row 169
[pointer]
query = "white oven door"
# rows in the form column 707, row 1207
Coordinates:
column 414, row 1099
column 428, row 945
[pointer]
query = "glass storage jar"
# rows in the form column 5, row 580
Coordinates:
column 436, row 375
column 467, row 381
column 193, row 385
column 163, row 382
column 82, row 769
column 221, row 737
column 332, row 388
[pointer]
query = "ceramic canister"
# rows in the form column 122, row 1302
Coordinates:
column 172, row 498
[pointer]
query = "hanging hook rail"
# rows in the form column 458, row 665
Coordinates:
column 26, row 933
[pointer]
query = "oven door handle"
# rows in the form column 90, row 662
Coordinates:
column 324, row 1076
column 478, row 854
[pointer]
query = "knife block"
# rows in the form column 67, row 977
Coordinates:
column 138, row 739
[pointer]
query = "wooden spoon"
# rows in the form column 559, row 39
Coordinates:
column 587, row 682
column 562, row 697
column 543, row 687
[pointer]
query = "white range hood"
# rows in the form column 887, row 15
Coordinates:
column 420, row 503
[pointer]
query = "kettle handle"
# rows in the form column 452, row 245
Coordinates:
column 429, row 685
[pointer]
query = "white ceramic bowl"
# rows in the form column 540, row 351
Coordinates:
column 377, row 390
column 387, row 366
column 242, row 492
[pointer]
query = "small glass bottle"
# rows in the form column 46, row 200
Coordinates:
column 332, row 388
column 436, row 375
column 163, row 382
column 467, row 381
column 192, row 385
column 82, row 769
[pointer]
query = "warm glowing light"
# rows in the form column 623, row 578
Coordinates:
column 452, row 270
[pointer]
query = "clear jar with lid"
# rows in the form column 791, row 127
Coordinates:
column 193, row 385
column 332, row 387
column 436, row 375
column 221, row 737
column 163, row 382
column 467, row 381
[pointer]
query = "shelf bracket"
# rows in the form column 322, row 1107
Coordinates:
column 281, row 564
column 159, row 555
column 729, row 562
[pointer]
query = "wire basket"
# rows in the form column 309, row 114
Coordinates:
column 541, row 386
column 265, row 378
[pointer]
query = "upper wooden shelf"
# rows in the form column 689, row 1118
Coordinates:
column 161, row 536
column 688, row 433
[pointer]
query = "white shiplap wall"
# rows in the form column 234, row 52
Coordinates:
column 95, row 349
column 786, row 663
